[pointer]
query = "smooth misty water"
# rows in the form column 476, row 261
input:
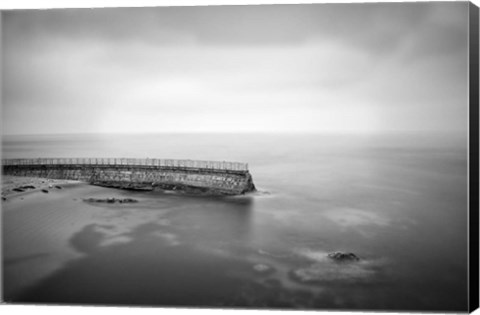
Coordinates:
column 397, row 202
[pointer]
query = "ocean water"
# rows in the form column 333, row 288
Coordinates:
column 398, row 202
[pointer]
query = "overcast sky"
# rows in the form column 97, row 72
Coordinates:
column 281, row 68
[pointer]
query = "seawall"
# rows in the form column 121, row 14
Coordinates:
column 219, row 178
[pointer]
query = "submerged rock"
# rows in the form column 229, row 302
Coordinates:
column 58, row 187
column 127, row 200
column 336, row 267
column 45, row 191
column 111, row 200
column 23, row 188
column 343, row 257
column 262, row 268
column 27, row 187
column 305, row 275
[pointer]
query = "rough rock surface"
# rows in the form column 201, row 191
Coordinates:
column 343, row 257
column 17, row 185
column 111, row 200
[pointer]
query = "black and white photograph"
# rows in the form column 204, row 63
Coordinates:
column 303, row 156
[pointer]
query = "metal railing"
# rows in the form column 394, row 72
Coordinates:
column 170, row 163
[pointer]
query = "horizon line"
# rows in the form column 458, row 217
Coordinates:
column 363, row 132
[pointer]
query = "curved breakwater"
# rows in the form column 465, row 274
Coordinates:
column 213, row 177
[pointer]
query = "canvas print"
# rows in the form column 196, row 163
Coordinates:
column 303, row 156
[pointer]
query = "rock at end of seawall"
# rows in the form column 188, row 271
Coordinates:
column 250, row 186
column 343, row 257
column 110, row 200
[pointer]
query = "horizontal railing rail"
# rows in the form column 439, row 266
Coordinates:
column 170, row 163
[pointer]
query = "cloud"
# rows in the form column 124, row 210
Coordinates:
column 320, row 67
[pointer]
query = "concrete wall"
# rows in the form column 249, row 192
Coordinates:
column 142, row 177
